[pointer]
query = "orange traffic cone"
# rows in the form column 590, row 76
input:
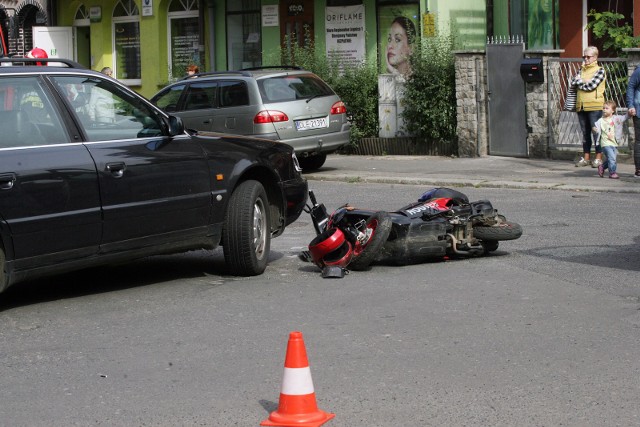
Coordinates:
column 297, row 405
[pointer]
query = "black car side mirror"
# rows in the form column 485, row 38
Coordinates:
column 176, row 127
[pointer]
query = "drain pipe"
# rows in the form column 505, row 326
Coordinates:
column 212, row 36
column 478, row 104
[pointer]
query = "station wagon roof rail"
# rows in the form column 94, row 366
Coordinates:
column 273, row 67
column 217, row 73
column 32, row 61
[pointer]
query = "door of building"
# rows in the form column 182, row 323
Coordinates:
column 296, row 23
column 507, row 101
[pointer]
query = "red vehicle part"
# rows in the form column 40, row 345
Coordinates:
column 3, row 45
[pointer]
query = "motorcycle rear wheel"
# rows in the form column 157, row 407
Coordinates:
column 380, row 223
column 504, row 231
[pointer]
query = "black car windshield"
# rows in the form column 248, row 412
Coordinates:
column 292, row 88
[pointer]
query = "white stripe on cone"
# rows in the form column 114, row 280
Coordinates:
column 297, row 381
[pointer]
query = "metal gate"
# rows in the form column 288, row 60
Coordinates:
column 507, row 117
column 564, row 129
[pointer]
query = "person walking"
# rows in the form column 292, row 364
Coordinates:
column 609, row 129
column 633, row 102
column 590, row 85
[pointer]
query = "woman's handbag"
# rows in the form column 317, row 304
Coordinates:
column 570, row 100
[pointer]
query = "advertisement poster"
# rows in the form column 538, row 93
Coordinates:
column 398, row 28
column 345, row 34
column 184, row 45
column 541, row 32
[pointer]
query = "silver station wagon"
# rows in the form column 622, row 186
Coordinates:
column 287, row 104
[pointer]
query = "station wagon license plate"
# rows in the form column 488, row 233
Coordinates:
column 312, row 124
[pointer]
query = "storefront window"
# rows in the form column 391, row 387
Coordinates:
column 184, row 36
column 126, row 42
column 244, row 40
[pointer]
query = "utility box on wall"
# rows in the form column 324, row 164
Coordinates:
column 531, row 70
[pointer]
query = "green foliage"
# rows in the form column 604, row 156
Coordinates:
column 430, row 91
column 605, row 26
column 357, row 86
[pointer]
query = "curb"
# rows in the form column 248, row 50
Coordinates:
column 477, row 183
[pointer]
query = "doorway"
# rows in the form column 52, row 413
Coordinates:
column 83, row 46
column 296, row 26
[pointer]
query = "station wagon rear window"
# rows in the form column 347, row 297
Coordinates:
column 291, row 88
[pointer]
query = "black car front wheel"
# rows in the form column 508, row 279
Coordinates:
column 246, row 237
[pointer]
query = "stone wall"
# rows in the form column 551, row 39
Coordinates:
column 537, row 109
column 471, row 103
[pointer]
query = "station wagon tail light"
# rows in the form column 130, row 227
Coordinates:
column 338, row 108
column 270, row 116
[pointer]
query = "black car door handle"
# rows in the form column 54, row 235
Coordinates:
column 116, row 169
column 7, row 181
column 206, row 122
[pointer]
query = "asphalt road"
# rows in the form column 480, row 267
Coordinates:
column 543, row 332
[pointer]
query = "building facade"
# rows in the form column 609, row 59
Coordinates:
column 149, row 43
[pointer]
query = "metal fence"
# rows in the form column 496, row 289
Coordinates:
column 564, row 129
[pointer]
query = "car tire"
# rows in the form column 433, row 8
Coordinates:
column 246, row 237
column 312, row 163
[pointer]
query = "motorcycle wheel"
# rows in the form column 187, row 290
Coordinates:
column 380, row 224
column 504, row 231
column 489, row 245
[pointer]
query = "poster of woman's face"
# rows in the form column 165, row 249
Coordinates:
column 398, row 30
column 541, row 24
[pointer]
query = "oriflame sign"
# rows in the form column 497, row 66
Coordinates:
column 345, row 34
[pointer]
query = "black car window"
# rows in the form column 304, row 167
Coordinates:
column 27, row 116
column 110, row 113
column 200, row 96
column 290, row 88
column 233, row 94
column 168, row 99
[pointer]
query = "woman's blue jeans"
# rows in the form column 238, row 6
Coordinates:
column 612, row 155
column 587, row 121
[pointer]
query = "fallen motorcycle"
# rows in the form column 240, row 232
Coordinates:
column 441, row 223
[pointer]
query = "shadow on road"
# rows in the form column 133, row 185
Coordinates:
column 144, row 272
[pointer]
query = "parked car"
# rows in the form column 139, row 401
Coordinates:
column 92, row 173
column 288, row 104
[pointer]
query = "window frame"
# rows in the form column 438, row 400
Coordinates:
column 132, row 17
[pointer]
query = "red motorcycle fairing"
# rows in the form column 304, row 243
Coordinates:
column 331, row 248
column 429, row 207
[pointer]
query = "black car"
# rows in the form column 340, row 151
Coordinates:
column 93, row 173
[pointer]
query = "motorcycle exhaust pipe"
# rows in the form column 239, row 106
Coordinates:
column 454, row 246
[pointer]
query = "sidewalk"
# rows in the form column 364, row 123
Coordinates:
column 487, row 171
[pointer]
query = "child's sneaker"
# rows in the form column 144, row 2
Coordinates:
column 637, row 175
column 596, row 163
column 601, row 170
column 582, row 162
column 614, row 176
